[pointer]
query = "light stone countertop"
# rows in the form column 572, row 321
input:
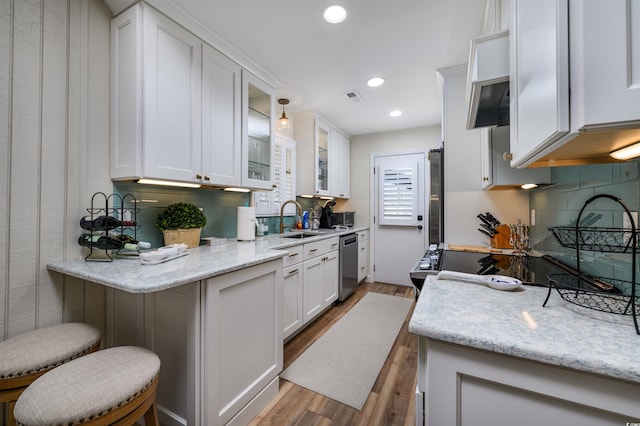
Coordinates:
column 515, row 323
column 203, row 262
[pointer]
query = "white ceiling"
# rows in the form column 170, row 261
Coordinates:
column 313, row 63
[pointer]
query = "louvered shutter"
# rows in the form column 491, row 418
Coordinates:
column 398, row 194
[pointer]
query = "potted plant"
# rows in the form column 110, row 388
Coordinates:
column 181, row 223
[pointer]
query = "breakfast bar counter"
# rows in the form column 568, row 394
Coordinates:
column 128, row 274
column 214, row 316
column 501, row 358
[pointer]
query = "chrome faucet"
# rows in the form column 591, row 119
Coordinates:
column 298, row 206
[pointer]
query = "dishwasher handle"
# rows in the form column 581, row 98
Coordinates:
column 348, row 240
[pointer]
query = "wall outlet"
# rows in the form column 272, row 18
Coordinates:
column 533, row 217
column 625, row 219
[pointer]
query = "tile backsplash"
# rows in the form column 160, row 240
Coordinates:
column 560, row 205
column 219, row 206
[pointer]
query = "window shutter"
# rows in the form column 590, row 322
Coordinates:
column 398, row 193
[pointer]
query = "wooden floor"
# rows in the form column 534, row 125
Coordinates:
column 391, row 401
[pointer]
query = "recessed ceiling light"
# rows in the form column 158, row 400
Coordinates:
column 375, row 82
column 396, row 113
column 335, row 14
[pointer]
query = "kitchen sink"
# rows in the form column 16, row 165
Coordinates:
column 295, row 234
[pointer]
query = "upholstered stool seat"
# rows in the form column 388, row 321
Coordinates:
column 112, row 385
column 27, row 356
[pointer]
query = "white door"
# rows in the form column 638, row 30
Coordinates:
column 400, row 236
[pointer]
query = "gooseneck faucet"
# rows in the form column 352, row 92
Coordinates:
column 298, row 207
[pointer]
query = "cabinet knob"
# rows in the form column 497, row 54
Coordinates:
column 484, row 179
column 198, row 176
column 207, row 178
column 507, row 156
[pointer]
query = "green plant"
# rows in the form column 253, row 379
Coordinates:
column 181, row 216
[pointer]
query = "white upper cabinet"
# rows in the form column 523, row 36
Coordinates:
column 323, row 154
column 257, row 132
column 340, row 170
column 221, row 118
column 181, row 110
column 539, row 83
column 575, row 80
column 156, row 88
column 605, row 75
column 497, row 172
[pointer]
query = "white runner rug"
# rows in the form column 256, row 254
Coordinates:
column 345, row 362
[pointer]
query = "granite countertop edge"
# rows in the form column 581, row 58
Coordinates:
column 563, row 334
column 203, row 262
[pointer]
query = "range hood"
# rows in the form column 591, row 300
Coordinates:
column 488, row 81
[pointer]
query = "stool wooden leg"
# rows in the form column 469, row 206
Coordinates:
column 11, row 421
column 151, row 416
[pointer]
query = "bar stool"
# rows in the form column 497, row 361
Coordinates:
column 111, row 386
column 27, row 356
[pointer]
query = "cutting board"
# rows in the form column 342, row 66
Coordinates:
column 475, row 249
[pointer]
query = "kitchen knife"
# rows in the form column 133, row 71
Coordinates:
column 485, row 220
column 489, row 229
column 485, row 233
column 495, row 222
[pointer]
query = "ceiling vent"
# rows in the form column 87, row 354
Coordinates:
column 353, row 95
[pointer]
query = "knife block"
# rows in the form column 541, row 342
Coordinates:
column 501, row 238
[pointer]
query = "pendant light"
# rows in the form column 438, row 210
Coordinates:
column 283, row 120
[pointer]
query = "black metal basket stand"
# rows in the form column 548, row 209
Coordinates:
column 598, row 293
column 103, row 204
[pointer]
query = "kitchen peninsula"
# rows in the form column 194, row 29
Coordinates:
column 500, row 358
column 213, row 316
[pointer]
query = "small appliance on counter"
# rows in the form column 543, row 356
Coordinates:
column 345, row 219
column 326, row 219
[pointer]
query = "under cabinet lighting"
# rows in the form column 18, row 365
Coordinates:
column 529, row 186
column 232, row 189
column 168, row 183
column 396, row 113
column 627, row 152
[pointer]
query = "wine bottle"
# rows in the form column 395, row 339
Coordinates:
column 103, row 223
column 127, row 239
column 105, row 243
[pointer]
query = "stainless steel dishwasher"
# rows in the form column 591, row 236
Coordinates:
column 348, row 265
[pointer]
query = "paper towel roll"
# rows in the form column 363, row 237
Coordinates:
column 246, row 223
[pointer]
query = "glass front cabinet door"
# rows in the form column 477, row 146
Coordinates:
column 322, row 157
column 257, row 138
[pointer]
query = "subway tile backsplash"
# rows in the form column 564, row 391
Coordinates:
column 219, row 206
column 560, row 205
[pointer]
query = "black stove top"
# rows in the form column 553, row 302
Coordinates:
column 528, row 269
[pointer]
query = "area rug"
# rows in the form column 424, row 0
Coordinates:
column 345, row 362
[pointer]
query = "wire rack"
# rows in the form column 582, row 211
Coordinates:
column 599, row 293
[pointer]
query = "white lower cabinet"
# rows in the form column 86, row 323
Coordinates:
column 310, row 282
column 219, row 341
column 464, row 386
column 292, row 317
column 363, row 255
column 330, row 271
column 312, row 285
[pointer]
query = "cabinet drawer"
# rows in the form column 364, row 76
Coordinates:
column 363, row 269
column 294, row 256
column 363, row 235
column 363, row 250
column 318, row 248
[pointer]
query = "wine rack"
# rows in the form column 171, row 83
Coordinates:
column 110, row 205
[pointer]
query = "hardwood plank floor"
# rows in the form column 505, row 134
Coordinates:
column 391, row 401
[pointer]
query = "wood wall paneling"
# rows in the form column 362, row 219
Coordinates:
column 5, row 90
